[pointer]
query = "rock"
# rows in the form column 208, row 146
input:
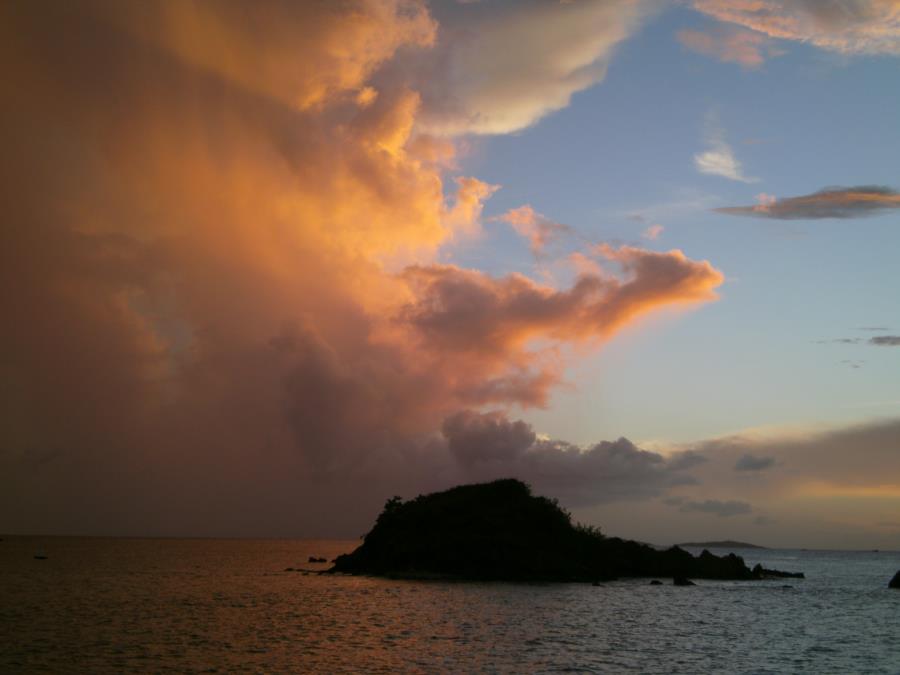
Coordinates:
column 40, row 557
column 760, row 572
column 288, row 569
column 656, row 582
column 895, row 582
column 682, row 581
column 314, row 559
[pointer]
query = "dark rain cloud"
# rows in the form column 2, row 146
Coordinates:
column 489, row 445
column 750, row 462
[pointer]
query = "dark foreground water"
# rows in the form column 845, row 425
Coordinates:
column 180, row 606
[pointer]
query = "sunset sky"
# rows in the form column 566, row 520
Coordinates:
column 267, row 264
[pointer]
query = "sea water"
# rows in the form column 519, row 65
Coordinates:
column 185, row 606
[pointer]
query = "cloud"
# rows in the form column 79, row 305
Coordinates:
column 228, row 318
column 841, row 341
column 539, row 230
column 489, row 446
column 813, row 462
column 844, row 26
column 476, row 438
column 830, row 202
column 464, row 218
column 731, row 45
column 832, row 488
column 750, row 462
column 652, row 233
column 719, row 159
column 885, row 341
column 469, row 314
column 877, row 340
column 501, row 66
column 722, row 509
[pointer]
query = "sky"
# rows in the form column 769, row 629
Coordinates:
column 266, row 265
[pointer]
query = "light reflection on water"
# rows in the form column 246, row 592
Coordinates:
column 144, row 605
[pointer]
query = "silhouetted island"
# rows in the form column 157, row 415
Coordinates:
column 500, row 531
column 726, row 543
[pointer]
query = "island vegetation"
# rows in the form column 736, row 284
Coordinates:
column 501, row 531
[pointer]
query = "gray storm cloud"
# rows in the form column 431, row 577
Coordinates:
column 489, row 446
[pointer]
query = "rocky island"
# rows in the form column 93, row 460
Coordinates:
column 501, row 531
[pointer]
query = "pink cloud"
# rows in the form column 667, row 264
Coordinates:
column 653, row 232
column 859, row 27
column 539, row 230
column 732, row 45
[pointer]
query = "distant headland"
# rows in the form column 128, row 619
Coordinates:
column 500, row 531
column 725, row 543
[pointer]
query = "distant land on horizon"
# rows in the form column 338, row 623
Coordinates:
column 725, row 543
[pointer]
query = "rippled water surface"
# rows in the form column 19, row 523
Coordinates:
column 146, row 605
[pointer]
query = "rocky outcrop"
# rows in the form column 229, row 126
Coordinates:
column 500, row 531
column 760, row 572
column 895, row 582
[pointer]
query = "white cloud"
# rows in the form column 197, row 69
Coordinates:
column 718, row 159
column 499, row 67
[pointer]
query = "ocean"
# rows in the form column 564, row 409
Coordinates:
column 230, row 606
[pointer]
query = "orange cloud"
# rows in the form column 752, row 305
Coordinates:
column 473, row 316
column 202, row 282
column 465, row 216
column 535, row 227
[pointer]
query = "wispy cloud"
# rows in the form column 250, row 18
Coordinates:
column 683, row 202
column 731, row 45
column 848, row 27
column 722, row 509
column 885, row 341
column 877, row 341
column 538, row 229
column 830, row 202
column 719, row 159
column 652, row 233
